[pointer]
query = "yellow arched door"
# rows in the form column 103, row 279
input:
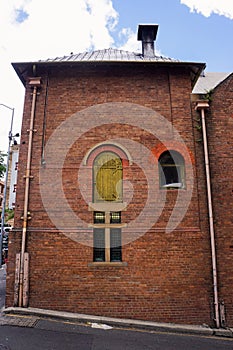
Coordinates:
column 107, row 177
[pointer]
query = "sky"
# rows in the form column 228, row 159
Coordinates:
column 189, row 30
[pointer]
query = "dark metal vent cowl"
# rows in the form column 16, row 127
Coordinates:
column 147, row 35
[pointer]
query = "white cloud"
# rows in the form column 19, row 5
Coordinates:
column 129, row 38
column 33, row 30
column 207, row 7
column 59, row 27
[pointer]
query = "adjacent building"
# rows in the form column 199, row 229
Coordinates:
column 12, row 175
column 124, row 190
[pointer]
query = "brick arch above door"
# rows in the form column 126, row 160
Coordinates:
column 117, row 148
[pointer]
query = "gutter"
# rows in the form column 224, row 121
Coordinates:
column 22, row 69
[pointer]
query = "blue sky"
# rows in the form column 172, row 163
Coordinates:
column 189, row 30
column 185, row 35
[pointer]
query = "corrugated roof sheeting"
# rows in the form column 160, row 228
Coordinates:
column 209, row 81
column 109, row 55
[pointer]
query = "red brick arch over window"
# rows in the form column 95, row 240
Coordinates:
column 175, row 146
column 117, row 149
column 89, row 158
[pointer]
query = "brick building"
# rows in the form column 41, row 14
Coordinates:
column 12, row 175
column 114, row 201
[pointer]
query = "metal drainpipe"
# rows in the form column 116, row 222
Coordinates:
column 35, row 83
column 202, row 105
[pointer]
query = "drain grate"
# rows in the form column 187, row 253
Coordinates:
column 20, row 321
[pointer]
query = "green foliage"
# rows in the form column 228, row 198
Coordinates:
column 2, row 165
column 9, row 214
column 208, row 96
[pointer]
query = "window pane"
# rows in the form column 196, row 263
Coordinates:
column 170, row 174
column 115, row 217
column 171, row 170
column 99, row 217
column 99, row 244
column 167, row 159
column 115, row 242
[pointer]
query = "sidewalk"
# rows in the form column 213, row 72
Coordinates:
column 2, row 285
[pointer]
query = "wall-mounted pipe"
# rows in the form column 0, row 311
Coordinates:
column 34, row 83
column 44, row 121
column 202, row 106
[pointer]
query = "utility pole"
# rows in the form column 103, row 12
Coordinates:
column 10, row 137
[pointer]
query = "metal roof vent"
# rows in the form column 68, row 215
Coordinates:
column 147, row 35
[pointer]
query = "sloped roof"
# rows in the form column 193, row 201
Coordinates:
column 209, row 81
column 107, row 55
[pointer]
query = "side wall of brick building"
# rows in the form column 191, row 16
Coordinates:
column 166, row 276
column 220, row 131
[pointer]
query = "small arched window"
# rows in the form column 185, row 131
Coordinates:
column 171, row 170
column 107, row 177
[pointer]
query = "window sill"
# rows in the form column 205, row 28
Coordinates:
column 107, row 225
column 172, row 188
column 107, row 206
column 108, row 264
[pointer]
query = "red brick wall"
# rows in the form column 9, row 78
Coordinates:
column 168, row 275
column 220, row 131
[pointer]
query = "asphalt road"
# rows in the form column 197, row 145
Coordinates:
column 51, row 335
